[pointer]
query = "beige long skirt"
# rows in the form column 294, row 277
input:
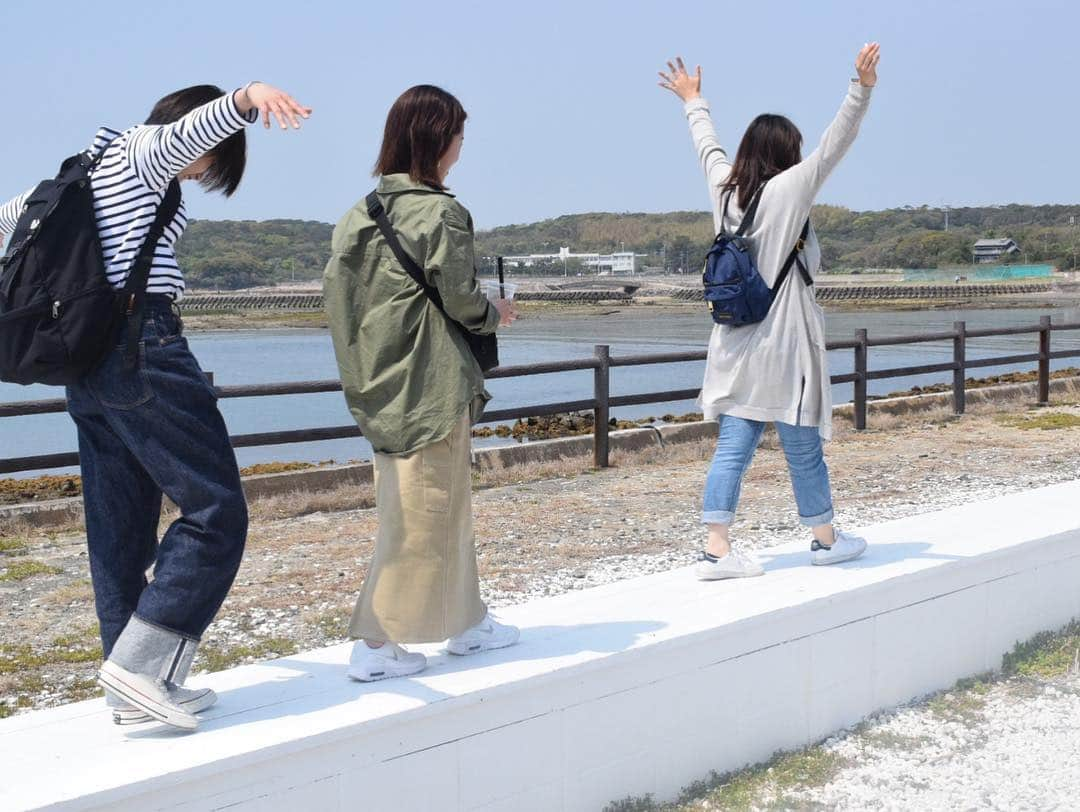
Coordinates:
column 422, row 585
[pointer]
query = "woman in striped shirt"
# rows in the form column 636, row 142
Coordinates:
column 156, row 429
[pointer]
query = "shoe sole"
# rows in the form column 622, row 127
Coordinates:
column 728, row 576
column 134, row 716
column 134, row 696
column 386, row 673
column 480, row 647
column 841, row 560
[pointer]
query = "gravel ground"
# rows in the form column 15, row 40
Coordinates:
column 1014, row 747
column 301, row 574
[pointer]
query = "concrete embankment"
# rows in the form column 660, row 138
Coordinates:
column 315, row 480
column 300, row 302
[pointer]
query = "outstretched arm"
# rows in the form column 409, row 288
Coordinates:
column 688, row 88
column 813, row 171
column 158, row 153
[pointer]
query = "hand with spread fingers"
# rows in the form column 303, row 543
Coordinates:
column 866, row 64
column 679, row 82
column 269, row 100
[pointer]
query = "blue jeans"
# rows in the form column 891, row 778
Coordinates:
column 143, row 432
column 735, row 449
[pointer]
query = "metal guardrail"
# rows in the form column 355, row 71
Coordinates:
column 602, row 401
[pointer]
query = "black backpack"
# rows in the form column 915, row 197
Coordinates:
column 59, row 316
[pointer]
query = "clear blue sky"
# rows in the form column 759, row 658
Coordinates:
column 976, row 102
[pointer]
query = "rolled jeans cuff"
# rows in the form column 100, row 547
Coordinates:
column 718, row 517
column 154, row 651
column 814, row 521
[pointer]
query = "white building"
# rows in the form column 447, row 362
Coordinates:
column 614, row 264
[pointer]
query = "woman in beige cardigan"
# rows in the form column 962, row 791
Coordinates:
column 775, row 370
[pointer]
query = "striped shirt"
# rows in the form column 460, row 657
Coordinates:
column 130, row 181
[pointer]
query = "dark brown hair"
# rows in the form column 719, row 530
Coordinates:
column 419, row 129
column 770, row 145
column 230, row 156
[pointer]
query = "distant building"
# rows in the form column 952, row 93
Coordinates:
column 619, row 262
column 993, row 250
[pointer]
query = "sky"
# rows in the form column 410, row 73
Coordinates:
column 976, row 101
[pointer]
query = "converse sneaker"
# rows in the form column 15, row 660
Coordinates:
column 147, row 694
column 736, row 564
column 367, row 664
column 486, row 635
column 845, row 547
column 193, row 700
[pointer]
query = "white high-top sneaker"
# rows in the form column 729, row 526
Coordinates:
column 486, row 635
column 367, row 664
column 193, row 700
column 845, row 547
column 149, row 695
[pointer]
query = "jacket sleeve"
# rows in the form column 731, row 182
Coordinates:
column 158, row 153
column 711, row 155
column 9, row 214
column 806, row 178
column 450, row 268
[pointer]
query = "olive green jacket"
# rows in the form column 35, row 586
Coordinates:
column 407, row 373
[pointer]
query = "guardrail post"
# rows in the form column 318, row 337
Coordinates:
column 959, row 344
column 601, row 407
column 209, row 377
column 860, row 382
column 1044, row 361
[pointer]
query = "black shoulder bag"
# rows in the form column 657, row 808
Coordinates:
column 484, row 347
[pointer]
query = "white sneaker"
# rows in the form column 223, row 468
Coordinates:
column 736, row 564
column 367, row 664
column 149, row 695
column 845, row 547
column 193, row 700
column 486, row 635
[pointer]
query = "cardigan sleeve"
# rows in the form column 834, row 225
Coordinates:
column 806, row 178
column 158, row 153
column 711, row 155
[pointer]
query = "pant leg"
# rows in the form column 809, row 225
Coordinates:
column 735, row 446
column 165, row 414
column 809, row 474
column 122, row 507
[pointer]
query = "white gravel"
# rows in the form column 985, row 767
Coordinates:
column 1019, row 751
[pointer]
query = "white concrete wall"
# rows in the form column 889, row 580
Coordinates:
column 631, row 688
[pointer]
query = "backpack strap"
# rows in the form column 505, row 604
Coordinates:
column 751, row 210
column 134, row 292
column 793, row 259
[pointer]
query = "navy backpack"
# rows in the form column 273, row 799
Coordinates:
column 734, row 290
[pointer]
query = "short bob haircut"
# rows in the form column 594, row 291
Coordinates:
column 230, row 156
column 419, row 129
column 771, row 144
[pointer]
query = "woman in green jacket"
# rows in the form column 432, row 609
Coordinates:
column 415, row 389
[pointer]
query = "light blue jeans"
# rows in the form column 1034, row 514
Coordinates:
column 735, row 447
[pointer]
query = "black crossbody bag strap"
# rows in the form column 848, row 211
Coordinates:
column 793, row 259
column 751, row 210
column 134, row 292
column 377, row 213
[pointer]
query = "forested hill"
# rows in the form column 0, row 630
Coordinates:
column 233, row 254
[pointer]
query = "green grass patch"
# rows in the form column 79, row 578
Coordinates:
column 1046, row 421
column 767, row 785
column 218, row 659
column 1048, row 655
column 12, row 546
column 21, row 570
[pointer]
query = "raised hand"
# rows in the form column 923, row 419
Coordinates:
column 269, row 99
column 681, row 83
column 866, row 64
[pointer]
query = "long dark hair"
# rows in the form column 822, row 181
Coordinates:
column 770, row 145
column 230, row 156
column 419, row 129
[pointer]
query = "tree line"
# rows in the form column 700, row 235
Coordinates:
column 237, row 254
